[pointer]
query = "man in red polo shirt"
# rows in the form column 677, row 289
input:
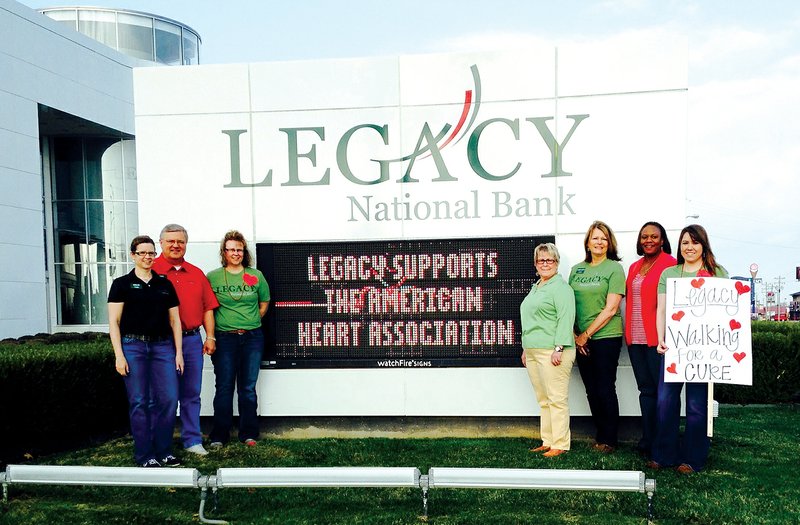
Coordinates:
column 197, row 304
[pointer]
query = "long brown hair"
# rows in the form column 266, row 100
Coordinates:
column 698, row 234
column 234, row 235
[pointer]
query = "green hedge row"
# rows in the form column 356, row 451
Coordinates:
column 776, row 366
column 58, row 392
column 61, row 390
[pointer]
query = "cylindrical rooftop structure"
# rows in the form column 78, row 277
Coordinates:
column 137, row 34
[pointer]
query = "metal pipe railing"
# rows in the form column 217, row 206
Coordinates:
column 437, row 477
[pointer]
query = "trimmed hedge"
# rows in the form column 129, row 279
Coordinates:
column 61, row 391
column 58, row 392
column 776, row 366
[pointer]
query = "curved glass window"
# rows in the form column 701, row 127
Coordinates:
column 136, row 34
column 100, row 25
column 191, row 48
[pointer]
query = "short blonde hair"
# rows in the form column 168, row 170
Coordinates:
column 548, row 247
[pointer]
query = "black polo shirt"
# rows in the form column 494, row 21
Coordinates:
column 146, row 306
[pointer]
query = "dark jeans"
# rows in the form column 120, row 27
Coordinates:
column 152, row 387
column 668, row 449
column 599, row 373
column 647, row 365
column 237, row 362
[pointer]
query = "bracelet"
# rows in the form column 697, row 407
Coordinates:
column 211, row 337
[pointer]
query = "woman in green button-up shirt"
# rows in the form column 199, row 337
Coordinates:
column 548, row 315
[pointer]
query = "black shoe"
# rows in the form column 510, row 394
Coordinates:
column 151, row 463
column 170, row 461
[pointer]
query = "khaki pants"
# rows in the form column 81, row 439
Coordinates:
column 551, row 384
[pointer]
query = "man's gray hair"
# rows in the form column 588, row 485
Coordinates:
column 174, row 228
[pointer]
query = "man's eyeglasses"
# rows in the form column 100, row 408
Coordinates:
column 145, row 254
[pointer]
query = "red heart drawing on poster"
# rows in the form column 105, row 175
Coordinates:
column 677, row 316
column 735, row 325
column 697, row 283
column 672, row 369
column 250, row 280
column 739, row 356
column 741, row 287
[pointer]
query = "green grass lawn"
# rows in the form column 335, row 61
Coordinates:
column 752, row 477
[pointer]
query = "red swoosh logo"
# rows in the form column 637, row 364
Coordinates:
column 464, row 113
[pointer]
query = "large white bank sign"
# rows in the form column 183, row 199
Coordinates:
column 535, row 142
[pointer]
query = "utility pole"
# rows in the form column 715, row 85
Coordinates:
column 778, row 286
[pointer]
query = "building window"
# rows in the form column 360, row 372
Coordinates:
column 136, row 36
column 94, row 218
column 140, row 35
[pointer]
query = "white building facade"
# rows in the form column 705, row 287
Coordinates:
column 533, row 142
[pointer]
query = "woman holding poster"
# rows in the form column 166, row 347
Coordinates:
column 695, row 259
column 548, row 314
column 243, row 296
column 599, row 285
column 641, row 333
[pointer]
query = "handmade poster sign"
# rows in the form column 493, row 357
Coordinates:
column 708, row 331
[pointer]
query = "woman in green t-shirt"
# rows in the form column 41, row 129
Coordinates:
column 599, row 285
column 695, row 259
column 243, row 296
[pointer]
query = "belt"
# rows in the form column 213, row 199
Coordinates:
column 147, row 338
column 193, row 331
column 237, row 332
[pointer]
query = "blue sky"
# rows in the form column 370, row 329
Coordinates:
column 744, row 80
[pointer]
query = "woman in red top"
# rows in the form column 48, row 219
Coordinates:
column 641, row 335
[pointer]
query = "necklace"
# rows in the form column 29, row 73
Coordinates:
column 683, row 268
column 643, row 270
column 227, row 286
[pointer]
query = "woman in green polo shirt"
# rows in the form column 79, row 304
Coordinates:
column 548, row 314
column 599, row 285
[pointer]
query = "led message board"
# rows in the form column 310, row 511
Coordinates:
column 420, row 303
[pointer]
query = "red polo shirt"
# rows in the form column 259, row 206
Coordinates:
column 194, row 291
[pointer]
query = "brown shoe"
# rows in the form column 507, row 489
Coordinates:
column 603, row 448
column 685, row 468
column 553, row 452
column 653, row 465
column 543, row 448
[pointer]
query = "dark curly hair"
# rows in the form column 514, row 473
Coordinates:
column 665, row 247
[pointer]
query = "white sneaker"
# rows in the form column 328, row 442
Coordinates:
column 197, row 449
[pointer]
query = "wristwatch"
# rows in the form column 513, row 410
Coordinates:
column 559, row 348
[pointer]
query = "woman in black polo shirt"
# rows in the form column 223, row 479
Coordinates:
column 145, row 331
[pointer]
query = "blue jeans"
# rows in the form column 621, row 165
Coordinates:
column 647, row 364
column 668, row 449
column 237, row 362
column 599, row 373
column 189, row 386
column 152, row 386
